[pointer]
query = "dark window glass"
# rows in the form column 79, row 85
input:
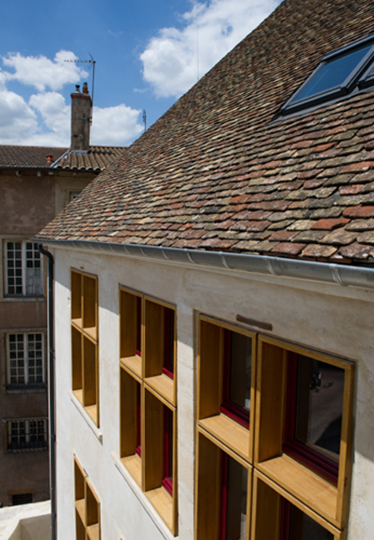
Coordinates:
column 299, row 526
column 333, row 73
column 237, row 376
column 167, row 481
column 233, row 499
column 168, row 367
column 319, row 405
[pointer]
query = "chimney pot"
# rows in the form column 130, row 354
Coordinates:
column 49, row 158
column 77, row 88
column 85, row 88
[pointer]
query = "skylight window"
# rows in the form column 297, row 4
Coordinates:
column 339, row 73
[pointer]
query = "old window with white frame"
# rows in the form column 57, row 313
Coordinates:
column 26, row 434
column 23, row 269
column 25, row 359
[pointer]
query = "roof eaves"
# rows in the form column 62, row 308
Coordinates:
column 355, row 276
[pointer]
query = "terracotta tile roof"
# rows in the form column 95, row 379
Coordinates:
column 96, row 159
column 28, row 156
column 217, row 172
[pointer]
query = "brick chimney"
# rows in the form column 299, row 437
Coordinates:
column 81, row 106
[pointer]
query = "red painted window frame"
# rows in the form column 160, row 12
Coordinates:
column 167, row 481
column 229, row 407
column 168, row 367
column 314, row 460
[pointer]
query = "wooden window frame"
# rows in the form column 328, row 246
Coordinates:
column 37, row 263
column 228, row 406
column 87, row 506
column 208, row 509
column 160, row 490
column 211, row 411
column 329, row 500
column 26, row 360
column 268, row 498
column 146, row 370
column 85, row 332
column 130, row 423
column 27, row 429
column 303, row 453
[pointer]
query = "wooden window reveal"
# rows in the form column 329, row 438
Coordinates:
column 226, row 383
column 87, row 507
column 285, row 445
column 84, row 337
column 158, row 457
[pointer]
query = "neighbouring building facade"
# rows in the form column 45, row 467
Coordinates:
column 214, row 293
column 36, row 183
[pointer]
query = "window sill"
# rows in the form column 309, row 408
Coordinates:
column 134, row 364
column 20, row 298
column 87, row 413
column 230, row 433
column 26, row 450
column 134, row 465
column 163, row 503
column 163, row 385
column 93, row 532
column 143, row 499
column 26, row 389
column 90, row 331
column 315, row 492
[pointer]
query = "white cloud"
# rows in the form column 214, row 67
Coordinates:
column 175, row 59
column 41, row 72
column 17, row 119
column 45, row 119
column 115, row 125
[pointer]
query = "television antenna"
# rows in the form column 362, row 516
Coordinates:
column 93, row 64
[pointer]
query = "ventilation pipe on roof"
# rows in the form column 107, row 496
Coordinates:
column 81, row 108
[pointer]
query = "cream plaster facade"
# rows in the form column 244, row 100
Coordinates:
column 330, row 318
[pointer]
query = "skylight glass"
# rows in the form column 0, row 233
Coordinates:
column 337, row 75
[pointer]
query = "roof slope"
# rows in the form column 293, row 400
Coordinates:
column 216, row 172
column 96, row 159
column 28, row 156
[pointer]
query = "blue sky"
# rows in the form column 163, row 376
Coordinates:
column 147, row 53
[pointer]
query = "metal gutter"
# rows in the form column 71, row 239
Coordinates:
column 355, row 276
column 51, row 392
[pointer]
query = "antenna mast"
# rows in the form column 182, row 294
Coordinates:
column 93, row 64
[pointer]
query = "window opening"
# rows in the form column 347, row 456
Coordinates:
column 234, row 483
column 168, row 367
column 314, row 414
column 337, row 75
column 295, row 525
column 25, row 359
column 23, row 498
column 30, row 434
column 237, row 376
column 167, row 481
column 138, row 422
column 23, row 269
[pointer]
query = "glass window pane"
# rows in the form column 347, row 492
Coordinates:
column 333, row 73
column 319, row 405
column 240, row 370
column 236, row 505
column 302, row 527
